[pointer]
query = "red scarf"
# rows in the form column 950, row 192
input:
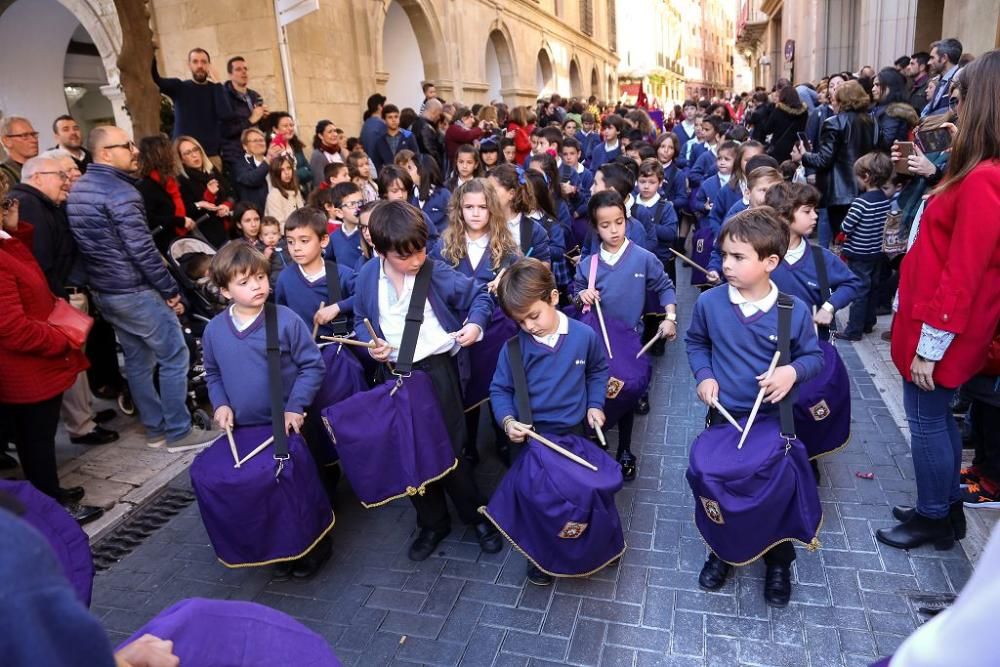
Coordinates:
column 174, row 190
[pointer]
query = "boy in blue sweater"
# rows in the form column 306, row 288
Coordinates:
column 456, row 315
column 342, row 203
column 655, row 212
column 605, row 151
column 235, row 349
column 564, row 363
column 731, row 339
column 304, row 287
column 576, row 189
column 704, row 166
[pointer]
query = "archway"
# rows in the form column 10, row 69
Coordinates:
column 499, row 64
column 575, row 81
column 595, row 83
column 544, row 74
column 402, row 59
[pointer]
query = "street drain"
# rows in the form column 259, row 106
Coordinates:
column 927, row 605
column 124, row 539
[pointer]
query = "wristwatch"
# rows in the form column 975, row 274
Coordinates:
column 671, row 317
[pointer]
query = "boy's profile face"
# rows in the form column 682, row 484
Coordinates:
column 648, row 185
column 542, row 145
column 741, row 265
column 534, row 144
column 759, row 191
column 349, row 207
column 725, row 162
column 570, row 156
column 541, row 318
column 270, row 235
column 248, row 290
column 304, row 245
column 341, row 176
column 406, row 264
column 803, row 220
column 708, row 131
column 598, row 185
column 610, row 133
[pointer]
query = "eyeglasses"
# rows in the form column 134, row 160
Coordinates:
column 953, row 102
column 8, row 203
column 127, row 146
column 61, row 174
column 190, row 152
column 351, row 204
column 22, row 135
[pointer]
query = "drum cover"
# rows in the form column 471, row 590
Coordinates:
column 252, row 516
column 823, row 406
column 628, row 377
column 483, row 358
column 392, row 439
column 344, row 377
column 702, row 242
column 748, row 500
column 559, row 514
column 231, row 633
column 68, row 541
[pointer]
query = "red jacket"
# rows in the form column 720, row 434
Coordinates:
column 36, row 360
column 950, row 278
column 522, row 142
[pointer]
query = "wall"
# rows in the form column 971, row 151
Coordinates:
column 974, row 22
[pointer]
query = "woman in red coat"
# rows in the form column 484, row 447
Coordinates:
column 37, row 363
column 517, row 130
column 949, row 308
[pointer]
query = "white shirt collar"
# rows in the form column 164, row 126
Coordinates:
column 312, row 277
column 629, row 202
column 241, row 325
column 650, row 202
column 562, row 328
column 4, row 235
column 749, row 308
column 612, row 146
column 580, row 168
column 612, row 258
column 795, row 254
column 724, row 178
column 481, row 242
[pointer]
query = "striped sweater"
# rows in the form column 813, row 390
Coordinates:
column 865, row 224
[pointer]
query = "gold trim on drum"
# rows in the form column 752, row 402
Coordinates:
column 234, row 566
column 835, row 449
column 412, row 490
column 812, row 545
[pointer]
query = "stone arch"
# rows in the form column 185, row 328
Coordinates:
column 501, row 67
column 545, row 72
column 575, row 80
column 595, row 82
column 426, row 29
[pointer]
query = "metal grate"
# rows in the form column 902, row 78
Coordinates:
column 124, row 539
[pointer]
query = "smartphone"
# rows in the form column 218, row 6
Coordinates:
column 805, row 141
column 934, row 141
column 279, row 139
column 905, row 149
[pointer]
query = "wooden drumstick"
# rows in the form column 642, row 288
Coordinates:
column 188, row 448
column 371, row 332
column 815, row 325
column 316, row 322
column 232, row 445
column 604, row 329
column 645, row 348
column 562, row 450
column 690, row 262
column 348, row 341
column 257, row 450
column 725, row 413
column 600, row 436
column 760, row 399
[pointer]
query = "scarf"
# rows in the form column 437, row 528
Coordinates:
column 173, row 189
column 327, row 148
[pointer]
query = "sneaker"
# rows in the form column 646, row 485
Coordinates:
column 156, row 441
column 984, row 494
column 196, row 436
column 970, row 475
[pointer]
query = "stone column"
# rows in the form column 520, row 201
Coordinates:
column 116, row 96
column 885, row 31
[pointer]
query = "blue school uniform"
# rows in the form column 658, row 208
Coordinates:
column 705, row 166
column 660, row 221
column 715, row 264
column 587, row 142
column 674, row 186
column 583, row 180
column 435, row 208
column 559, row 235
column 533, row 239
column 692, row 151
column 601, row 155
column 801, row 279
column 727, row 203
column 344, row 249
column 684, row 137
column 483, row 273
column 303, row 296
column 724, row 345
column 635, row 232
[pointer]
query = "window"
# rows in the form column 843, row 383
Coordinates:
column 612, row 28
column 587, row 17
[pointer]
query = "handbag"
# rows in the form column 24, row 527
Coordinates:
column 70, row 322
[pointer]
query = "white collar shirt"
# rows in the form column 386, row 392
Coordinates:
column 750, row 308
column 431, row 339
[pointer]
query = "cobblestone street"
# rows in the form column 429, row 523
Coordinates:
column 852, row 600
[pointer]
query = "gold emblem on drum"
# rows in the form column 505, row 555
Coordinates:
column 572, row 530
column 615, row 387
column 820, row 411
column 700, row 246
column 712, row 510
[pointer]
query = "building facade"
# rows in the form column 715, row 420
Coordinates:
column 323, row 65
column 709, row 32
column 651, row 36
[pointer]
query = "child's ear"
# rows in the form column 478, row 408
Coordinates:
column 554, row 298
column 771, row 262
column 324, row 240
column 225, row 293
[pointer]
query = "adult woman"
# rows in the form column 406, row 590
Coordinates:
column 326, row 149
column 517, row 129
column 204, row 191
column 844, row 137
column 283, row 132
column 643, row 123
column 949, row 308
column 786, row 120
column 285, row 195
column 892, row 113
column 37, row 361
column 161, row 192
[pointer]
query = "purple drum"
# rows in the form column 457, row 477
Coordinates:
column 483, row 358
column 257, row 514
column 702, row 242
column 225, row 633
column 68, row 541
column 748, row 500
column 628, row 377
column 823, row 406
column 344, row 378
column 392, row 439
column 559, row 514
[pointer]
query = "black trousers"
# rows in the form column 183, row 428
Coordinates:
column 836, row 213
column 984, row 427
column 459, row 484
column 32, row 427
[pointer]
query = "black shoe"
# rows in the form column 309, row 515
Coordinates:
column 104, row 416
column 425, row 543
column 917, row 531
column 539, row 578
column 83, row 514
column 843, row 336
column 8, row 462
column 489, row 537
column 308, row 565
column 73, row 494
column 713, row 573
column 777, row 585
column 815, row 468
column 629, row 463
column 642, row 407
column 904, row 513
column 282, row 571
column 659, row 348
column 99, row 436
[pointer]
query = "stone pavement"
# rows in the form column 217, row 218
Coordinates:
column 851, row 600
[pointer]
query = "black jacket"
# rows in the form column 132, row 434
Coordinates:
column 843, row 138
column 894, row 123
column 783, row 125
column 251, row 181
column 758, row 121
column 429, row 140
column 163, row 221
column 232, row 126
column 53, row 244
column 193, row 187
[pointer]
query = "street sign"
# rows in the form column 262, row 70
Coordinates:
column 789, row 50
column 292, row 10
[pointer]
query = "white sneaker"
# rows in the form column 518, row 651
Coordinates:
column 156, row 442
column 196, row 436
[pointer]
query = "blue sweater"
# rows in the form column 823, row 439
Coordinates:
column 538, row 245
column 601, row 155
column 802, row 280
column 726, row 203
column 482, row 274
column 435, row 209
column 703, row 168
column 715, row 263
column 684, row 137
column 304, row 297
column 587, row 142
column 236, row 366
column 660, row 234
column 563, row 381
column 733, row 350
column 674, row 186
column 583, row 181
column 344, row 249
column 623, row 286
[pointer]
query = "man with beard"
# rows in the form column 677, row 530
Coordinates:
column 200, row 103
column 70, row 139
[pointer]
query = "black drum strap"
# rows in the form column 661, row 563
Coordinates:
column 821, row 274
column 527, row 227
column 414, row 318
column 520, row 381
column 274, row 381
column 334, row 294
column 785, row 308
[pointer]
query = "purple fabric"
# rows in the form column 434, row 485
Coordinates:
column 746, row 500
column 635, row 374
column 702, row 241
column 392, row 439
column 884, row 662
column 483, row 357
column 252, row 516
column 823, row 406
column 226, row 633
column 63, row 533
column 545, row 497
column 344, row 378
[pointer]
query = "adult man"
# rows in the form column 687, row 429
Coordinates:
column 394, row 140
column 132, row 288
column 200, row 104
column 42, row 191
column 919, row 76
column 70, row 139
column 866, row 72
column 247, row 106
column 425, row 130
column 20, row 140
column 374, row 125
column 945, row 55
column 902, row 64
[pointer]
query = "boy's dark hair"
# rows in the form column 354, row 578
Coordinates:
column 368, row 206
column 761, row 160
column 537, row 132
column 321, row 198
column 604, row 199
column 310, row 217
column 235, row 260
column 630, row 165
column 525, row 282
column 643, row 148
column 332, row 169
column 554, row 136
column 761, row 228
column 270, row 221
column 399, row 227
column 389, row 108
column 716, row 123
column 786, row 198
column 390, row 174
column 586, row 117
column 618, row 178
column 876, row 167
column 571, row 142
column 788, row 169
column 615, row 121
column 196, row 264
column 340, row 191
column 690, row 103
column 651, row 167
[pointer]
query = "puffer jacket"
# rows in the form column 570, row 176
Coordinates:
column 783, row 126
column 108, row 220
column 894, row 123
column 843, row 138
